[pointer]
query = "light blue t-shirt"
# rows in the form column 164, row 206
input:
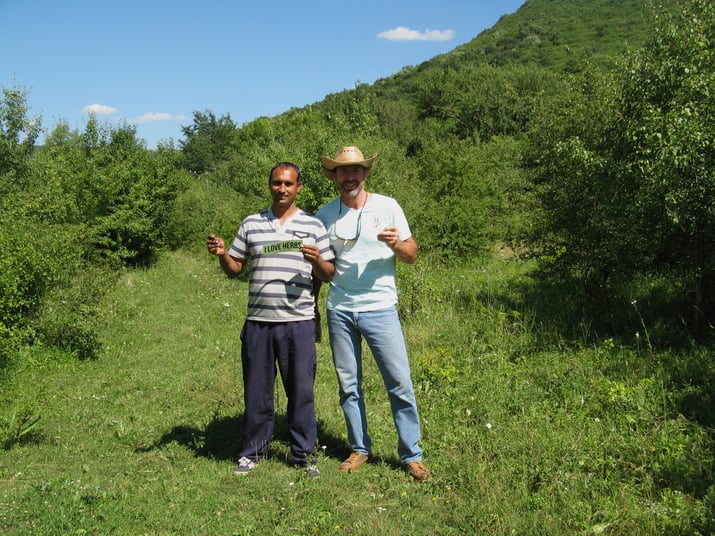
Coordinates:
column 364, row 277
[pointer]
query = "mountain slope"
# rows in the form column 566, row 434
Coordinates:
column 555, row 34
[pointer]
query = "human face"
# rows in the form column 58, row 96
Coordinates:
column 350, row 181
column 284, row 188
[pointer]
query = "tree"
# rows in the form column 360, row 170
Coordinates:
column 18, row 134
column 625, row 168
column 481, row 101
column 208, row 141
column 668, row 113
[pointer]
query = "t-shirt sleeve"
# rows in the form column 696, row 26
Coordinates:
column 239, row 247
column 323, row 242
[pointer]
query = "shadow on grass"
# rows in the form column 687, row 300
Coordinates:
column 221, row 439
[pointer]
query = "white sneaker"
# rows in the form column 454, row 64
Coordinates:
column 245, row 465
column 311, row 469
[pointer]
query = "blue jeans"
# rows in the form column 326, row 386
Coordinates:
column 383, row 333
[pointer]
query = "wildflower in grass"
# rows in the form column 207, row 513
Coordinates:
column 489, row 426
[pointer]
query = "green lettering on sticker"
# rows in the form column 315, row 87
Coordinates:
column 282, row 247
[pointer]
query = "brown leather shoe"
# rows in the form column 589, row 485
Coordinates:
column 418, row 471
column 353, row 462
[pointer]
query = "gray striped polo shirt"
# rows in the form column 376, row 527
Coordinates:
column 281, row 281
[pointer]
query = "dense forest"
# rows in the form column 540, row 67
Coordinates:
column 576, row 134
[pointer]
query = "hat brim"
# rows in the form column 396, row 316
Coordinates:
column 329, row 165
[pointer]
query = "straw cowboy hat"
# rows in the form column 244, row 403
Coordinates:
column 347, row 156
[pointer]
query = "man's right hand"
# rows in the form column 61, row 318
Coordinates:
column 216, row 245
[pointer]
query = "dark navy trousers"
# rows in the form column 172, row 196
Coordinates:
column 287, row 347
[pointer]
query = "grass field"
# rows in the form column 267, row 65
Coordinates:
column 526, row 432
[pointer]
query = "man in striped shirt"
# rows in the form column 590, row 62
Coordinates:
column 287, row 248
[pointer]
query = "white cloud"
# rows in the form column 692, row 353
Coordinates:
column 405, row 34
column 159, row 116
column 99, row 109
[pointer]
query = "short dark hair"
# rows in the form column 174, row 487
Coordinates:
column 280, row 165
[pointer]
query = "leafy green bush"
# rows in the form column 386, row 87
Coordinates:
column 469, row 196
column 33, row 258
column 122, row 193
column 204, row 207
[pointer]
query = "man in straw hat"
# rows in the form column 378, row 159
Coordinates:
column 368, row 231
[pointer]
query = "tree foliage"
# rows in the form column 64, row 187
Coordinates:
column 624, row 166
column 481, row 101
column 208, row 140
column 668, row 106
column 83, row 200
column 18, row 134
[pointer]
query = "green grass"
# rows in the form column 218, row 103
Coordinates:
column 525, row 433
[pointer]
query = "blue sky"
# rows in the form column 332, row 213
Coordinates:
column 152, row 63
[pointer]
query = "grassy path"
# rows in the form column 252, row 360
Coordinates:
column 522, row 440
